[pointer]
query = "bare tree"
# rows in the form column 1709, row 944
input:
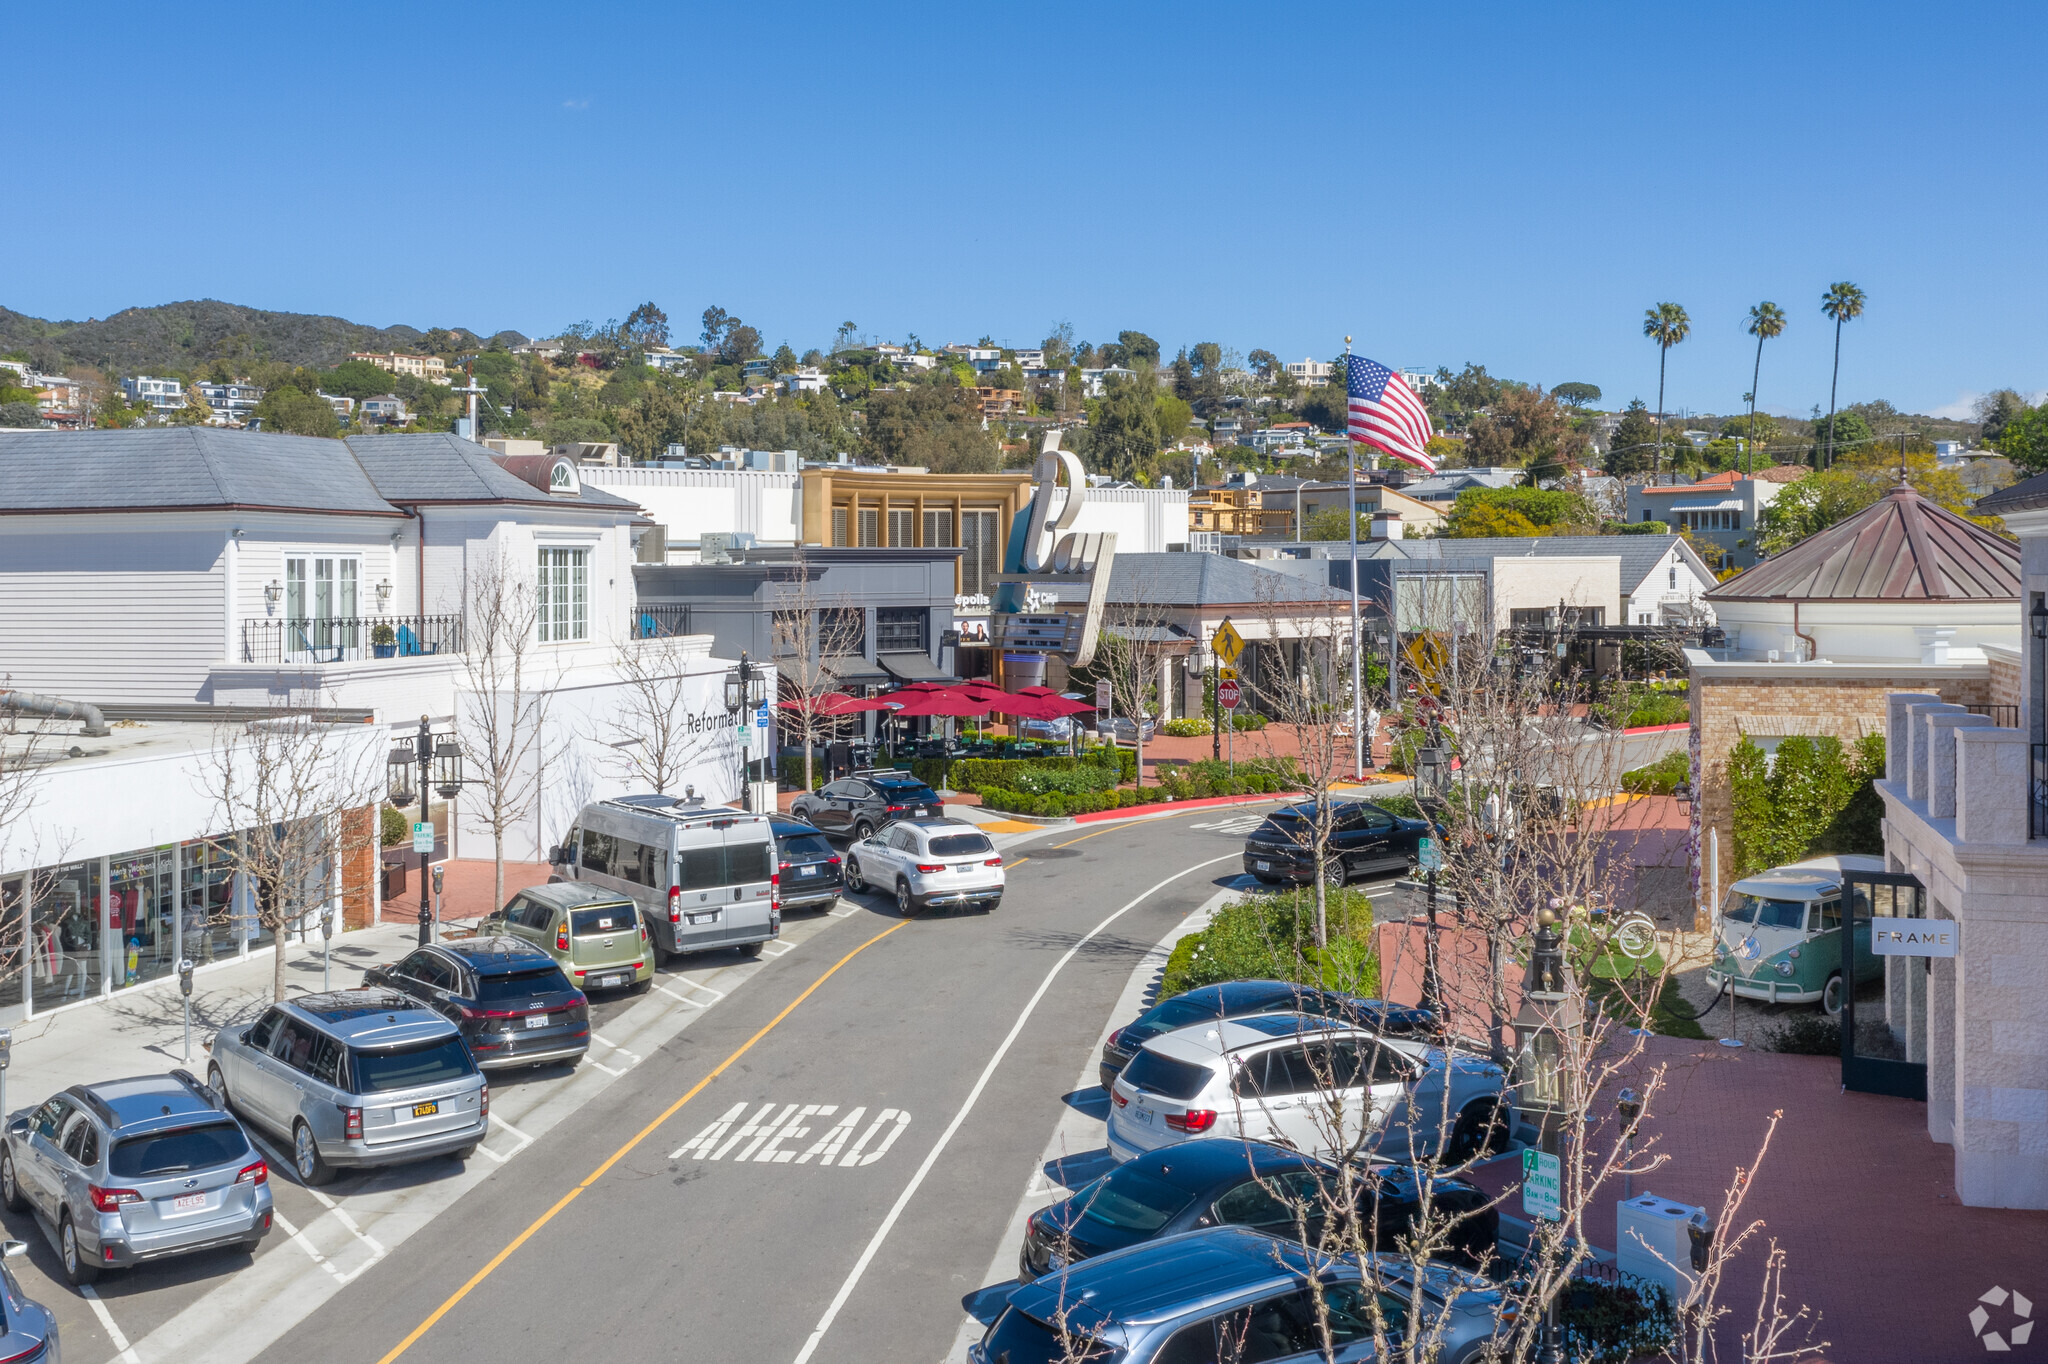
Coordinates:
column 501, row 716
column 1309, row 694
column 297, row 796
column 1130, row 654
column 651, row 737
column 31, row 851
column 809, row 630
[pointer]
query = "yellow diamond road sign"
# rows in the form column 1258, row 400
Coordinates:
column 1227, row 642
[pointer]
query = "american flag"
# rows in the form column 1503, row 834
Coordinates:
column 1385, row 412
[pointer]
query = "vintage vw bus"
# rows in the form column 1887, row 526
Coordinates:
column 1775, row 937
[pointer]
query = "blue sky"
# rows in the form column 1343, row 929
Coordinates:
column 1509, row 184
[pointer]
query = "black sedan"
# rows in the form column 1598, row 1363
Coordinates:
column 1363, row 839
column 1252, row 1184
column 809, row 874
column 512, row 1003
column 1244, row 998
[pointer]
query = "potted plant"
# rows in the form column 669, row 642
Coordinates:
column 383, row 641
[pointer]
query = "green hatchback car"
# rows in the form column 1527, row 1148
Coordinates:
column 595, row 934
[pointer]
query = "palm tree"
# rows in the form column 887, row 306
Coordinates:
column 1843, row 301
column 1766, row 320
column 1667, row 325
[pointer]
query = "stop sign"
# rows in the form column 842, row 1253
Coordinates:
column 1227, row 694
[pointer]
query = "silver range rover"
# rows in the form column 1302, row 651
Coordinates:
column 354, row 1078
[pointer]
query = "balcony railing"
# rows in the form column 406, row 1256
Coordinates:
column 661, row 622
column 348, row 639
column 2005, row 717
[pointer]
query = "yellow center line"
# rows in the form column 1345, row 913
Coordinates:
column 566, row 1199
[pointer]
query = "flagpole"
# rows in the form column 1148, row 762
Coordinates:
column 1351, row 489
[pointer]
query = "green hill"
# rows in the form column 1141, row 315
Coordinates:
column 187, row 336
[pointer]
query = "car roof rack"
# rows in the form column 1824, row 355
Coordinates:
column 688, row 808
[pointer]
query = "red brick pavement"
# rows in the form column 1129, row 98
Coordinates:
column 466, row 888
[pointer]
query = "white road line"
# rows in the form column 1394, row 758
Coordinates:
column 304, row 1242
column 680, row 999
column 603, row 1067
column 844, row 911
column 685, row 980
column 524, row 1140
column 931, row 1159
column 377, row 1249
column 99, row 1309
column 786, row 949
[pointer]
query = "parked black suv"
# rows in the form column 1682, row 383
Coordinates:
column 512, row 1003
column 856, row 806
column 1363, row 838
column 810, row 875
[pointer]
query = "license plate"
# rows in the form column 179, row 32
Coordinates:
column 1055, row 1260
column 806, row 871
column 536, row 1020
column 190, row 1202
column 425, row 1110
column 967, row 868
column 1144, row 1115
column 1263, row 866
column 710, row 918
column 920, row 810
column 617, row 980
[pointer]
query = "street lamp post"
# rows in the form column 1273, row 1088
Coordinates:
column 1545, row 1025
column 439, row 760
column 746, row 687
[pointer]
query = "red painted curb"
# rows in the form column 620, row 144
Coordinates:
column 1659, row 729
column 1137, row 811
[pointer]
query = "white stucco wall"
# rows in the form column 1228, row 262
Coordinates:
column 1525, row 583
column 689, row 502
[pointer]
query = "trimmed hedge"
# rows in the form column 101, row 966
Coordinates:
column 1060, row 805
column 977, row 774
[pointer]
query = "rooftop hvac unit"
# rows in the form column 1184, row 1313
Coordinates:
column 715, row 547
column 650, row 546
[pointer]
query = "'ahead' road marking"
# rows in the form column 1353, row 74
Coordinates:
column 932, row 1158
column 601, row 1171
column 768, row 1134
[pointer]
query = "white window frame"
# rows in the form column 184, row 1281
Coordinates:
column 562, row 592
column 322, row 585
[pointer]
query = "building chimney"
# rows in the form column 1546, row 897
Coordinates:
column 1386, row 525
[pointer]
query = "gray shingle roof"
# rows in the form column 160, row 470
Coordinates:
column 1639, row 554
column 182, row 467
column 442, row 467
column 1206, row 580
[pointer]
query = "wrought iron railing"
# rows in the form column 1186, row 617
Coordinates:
column 661, row 622
column 2005, row 717
column 348, row 639
column 2037, row 790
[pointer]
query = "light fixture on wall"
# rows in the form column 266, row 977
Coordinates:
column 273, row 592
column 383, row 594
column 2039, row 617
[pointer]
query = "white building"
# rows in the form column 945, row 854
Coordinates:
column 1310, row 373
column 163, row 395
column 1092, row 379
column 253, row 569
column 232, row 404
column 808, row 379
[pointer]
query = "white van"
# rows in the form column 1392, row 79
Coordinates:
column 703, row 876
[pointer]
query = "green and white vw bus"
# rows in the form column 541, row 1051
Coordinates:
column 1775, row 937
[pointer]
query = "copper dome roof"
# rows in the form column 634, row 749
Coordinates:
column 1900, row 548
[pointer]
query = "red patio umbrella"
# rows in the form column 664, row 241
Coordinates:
column 912, row 702
column 1047, row 704
column 832, row 703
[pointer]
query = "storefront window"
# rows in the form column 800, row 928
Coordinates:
column 208, row 890
column 64, row 932
column 141, row 909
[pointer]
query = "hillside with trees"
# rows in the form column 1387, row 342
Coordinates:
column 190, row 336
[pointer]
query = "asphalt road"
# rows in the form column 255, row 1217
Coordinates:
column 901, row 1078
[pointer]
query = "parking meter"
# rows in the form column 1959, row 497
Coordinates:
column 1702, row 1240
column 438, row 870
column 6, row 1046
column 1630, row 1105
column 185, row 969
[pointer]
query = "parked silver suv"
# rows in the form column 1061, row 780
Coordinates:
column 135, row 1170
column 355, row 1077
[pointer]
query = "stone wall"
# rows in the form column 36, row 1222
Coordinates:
column 2005, row 677
column 1802, row 702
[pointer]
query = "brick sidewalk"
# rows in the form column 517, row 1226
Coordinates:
column 466, row 888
